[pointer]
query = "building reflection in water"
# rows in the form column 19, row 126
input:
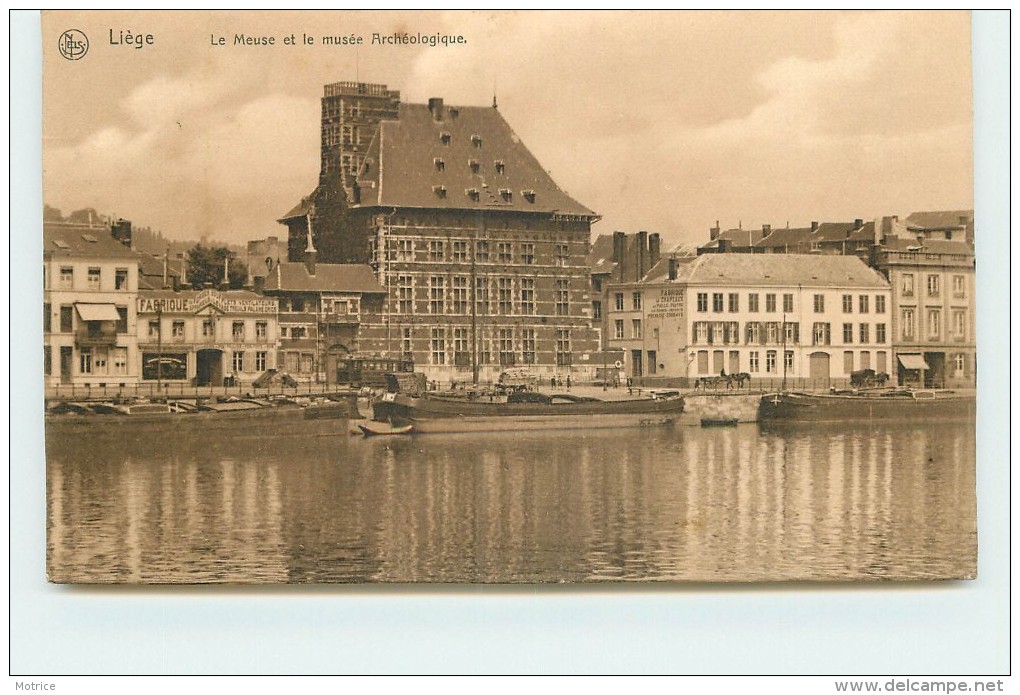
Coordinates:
column 723, row 504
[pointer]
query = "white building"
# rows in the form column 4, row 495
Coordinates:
column 799, row 317
column 206, row 337
column 90, row 285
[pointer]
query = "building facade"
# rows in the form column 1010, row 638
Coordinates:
column 933, row 291
column 328, row 313
column 206, row 337
column 482, row 256
column 796, row 317
column 90, row 287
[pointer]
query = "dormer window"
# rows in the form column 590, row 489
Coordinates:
column 529, row 195
column 440, row 191
column 475, row 166
column 476, row 140
column 472, row 193
column 507, row 194
column 454, row 112
column 444, row 137
column 440, row 164
column 500, row 166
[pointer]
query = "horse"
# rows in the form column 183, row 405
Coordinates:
column 868, row 377
column 740, row 378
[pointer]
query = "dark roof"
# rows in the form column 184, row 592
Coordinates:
column 939, row 219
column 782, row 270
column 401, row 165
column 329, row 277
column 739, row 237
column 600, row 258
column 786, row 238
column 928, row 246
column 837, row 232
column 78, row 240
column 299, row 210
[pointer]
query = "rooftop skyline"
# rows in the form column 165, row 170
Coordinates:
column 665, row 122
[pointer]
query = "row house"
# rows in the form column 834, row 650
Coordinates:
column 482, row 255
column 933, row 291
column 805, row 317
column 90, row 287
column 329, row 312
column 617, row 258
column 206, row 337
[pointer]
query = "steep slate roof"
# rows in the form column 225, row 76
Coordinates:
column 843, row 231
column 401, row 168
column 786, row 238
column 782, row 270
column 329, row 277
column 939, row 219
column 600, row 258
column 81, row 241
column 299, row 210
column 739, row 237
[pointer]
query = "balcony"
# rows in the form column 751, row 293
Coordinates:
column 96, row 333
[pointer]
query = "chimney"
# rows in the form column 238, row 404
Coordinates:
column 713, row 232
column 672, row 269
column 858, row 223
column 184, row 270
column 642, row 255
column 896, row 218
column 814, row 226
column 121, row 231
column 436, row 108
column 654, row 249
column 766, row 229
column 619, row 239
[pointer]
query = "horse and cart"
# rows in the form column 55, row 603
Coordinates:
column 866, row 378
column 730, row 381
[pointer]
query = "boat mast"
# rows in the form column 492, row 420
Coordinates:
column 784, row 353
column 474, row 300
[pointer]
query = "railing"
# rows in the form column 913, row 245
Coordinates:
column 174, row 390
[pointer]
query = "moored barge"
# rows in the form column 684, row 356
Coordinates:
column 890, row 405
column 528, row 411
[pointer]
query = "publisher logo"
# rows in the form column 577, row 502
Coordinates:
column 73, row 44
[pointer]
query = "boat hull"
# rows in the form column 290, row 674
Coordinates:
column 313, row 420
column 433, row 416
column 802, row 407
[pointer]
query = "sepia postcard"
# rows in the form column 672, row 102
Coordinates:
column 508, row 297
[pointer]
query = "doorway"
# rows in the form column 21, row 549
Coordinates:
column 818, row 366
column 66, row 359
column 209, row 368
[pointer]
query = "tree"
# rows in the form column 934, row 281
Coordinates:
column 86, row 216
column 205, row 267
column 52, row 214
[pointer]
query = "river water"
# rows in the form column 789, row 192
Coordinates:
column 666, row 504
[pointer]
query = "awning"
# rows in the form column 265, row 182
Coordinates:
column 97, row 312
column 913, row 361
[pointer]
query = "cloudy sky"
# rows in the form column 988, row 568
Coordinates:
column 658, row 121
